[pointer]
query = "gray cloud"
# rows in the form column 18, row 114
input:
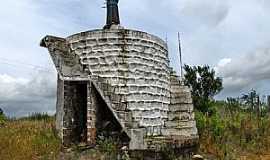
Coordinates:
column 20, row 96
column 208, row 12
column 211, row 30
column 250, row 71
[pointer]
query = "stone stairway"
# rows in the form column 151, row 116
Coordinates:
column 114, row 102
column 180, row 128
column 181, row 124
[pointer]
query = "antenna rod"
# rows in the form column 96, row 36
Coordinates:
column 180, row 55
column 166, row 39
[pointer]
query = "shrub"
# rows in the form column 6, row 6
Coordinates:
column 217, row 126
column 200, row 121
column 108, row 146
column 3, row 118
column 1, row 111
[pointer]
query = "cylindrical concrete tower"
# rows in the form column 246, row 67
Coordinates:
column 118, row 81
column 136, row 65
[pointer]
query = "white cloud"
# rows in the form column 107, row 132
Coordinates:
column 211, row 30
column 245, row 72
column 20, row 96
column 207, row 12
column 222, row 63
column 9, row 85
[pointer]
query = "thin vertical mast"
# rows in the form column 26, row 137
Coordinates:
column 166, row 38
column 180, row 55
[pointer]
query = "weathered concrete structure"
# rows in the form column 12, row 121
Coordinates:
column 117, row 82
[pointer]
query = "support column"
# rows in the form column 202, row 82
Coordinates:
column 91, row 116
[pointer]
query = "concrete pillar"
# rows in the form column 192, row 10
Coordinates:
column 91, row 116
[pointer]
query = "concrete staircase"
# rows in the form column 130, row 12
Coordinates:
column 114, row 102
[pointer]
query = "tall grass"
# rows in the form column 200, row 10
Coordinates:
column 230, row 135
column 28, row 139
column 225, row 134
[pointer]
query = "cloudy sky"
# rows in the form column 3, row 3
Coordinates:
column 233, row 36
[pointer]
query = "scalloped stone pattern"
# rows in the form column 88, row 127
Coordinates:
column 129, row 71
column 136, row 65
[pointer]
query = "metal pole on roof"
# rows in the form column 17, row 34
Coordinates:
column 180, row 55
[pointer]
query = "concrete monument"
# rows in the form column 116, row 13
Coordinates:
column 117, row 82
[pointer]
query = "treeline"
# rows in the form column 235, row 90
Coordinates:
column 250, row 102
column 32, row 117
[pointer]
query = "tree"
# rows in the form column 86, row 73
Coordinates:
column 204, row 84
column 233, row 104
column 251, row 100
column 1, row 111
column 2, row 117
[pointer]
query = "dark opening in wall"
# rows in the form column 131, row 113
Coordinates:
column 107, row 125
column 105, row 122
column 75, row 112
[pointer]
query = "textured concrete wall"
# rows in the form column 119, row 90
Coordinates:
column 60, row 107
column 181, row 117
column 91, row 114
column 135, row 64
column 130, row 72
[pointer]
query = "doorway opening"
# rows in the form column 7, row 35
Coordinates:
column 75, row 112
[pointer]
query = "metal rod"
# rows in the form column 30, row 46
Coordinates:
column 180, row 55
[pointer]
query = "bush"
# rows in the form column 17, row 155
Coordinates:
column 217, row 126
column 200, row 121
column 213, row 123
column 108, row 146
column 3, row 118
column 1, row 111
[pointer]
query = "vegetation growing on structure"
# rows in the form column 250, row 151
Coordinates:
column 108, row 146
